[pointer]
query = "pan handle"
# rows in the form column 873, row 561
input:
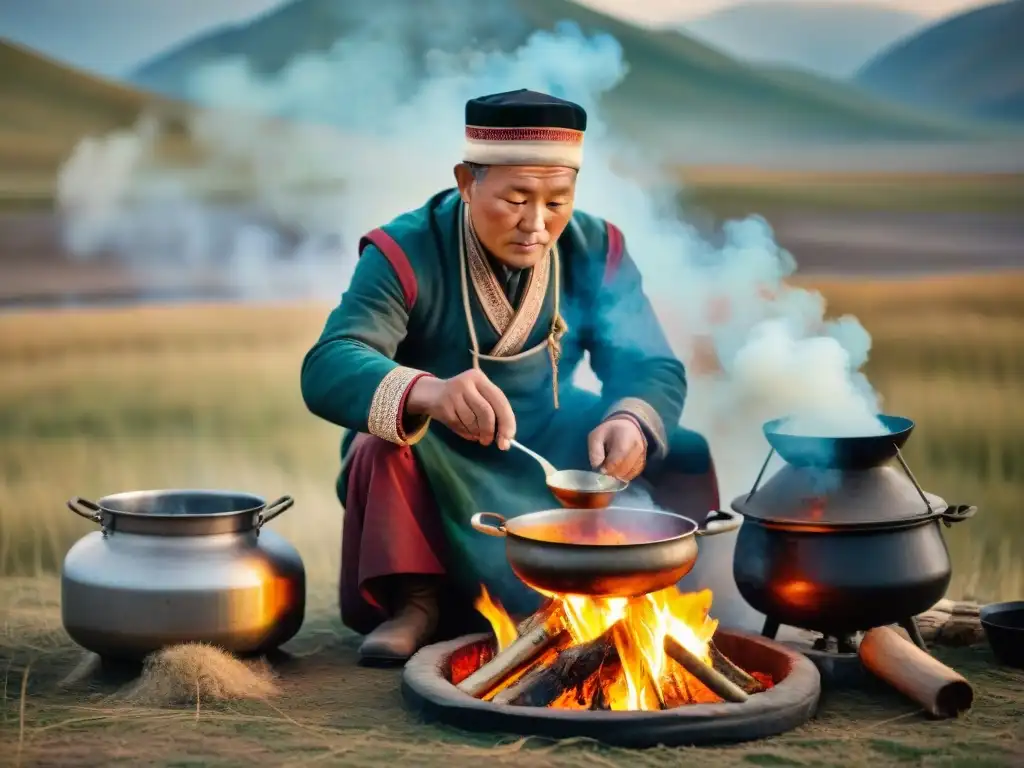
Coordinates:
column 479, row 524
column 93, row 515
column 957, row 513
column 273, row 509
column 719, row 521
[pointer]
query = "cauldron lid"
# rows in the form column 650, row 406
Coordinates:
column 805, row 494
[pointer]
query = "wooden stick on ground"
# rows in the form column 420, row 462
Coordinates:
column 572, row 667
column 716, row 682
column 941, row 691
column 725, row 666
column 525, row 649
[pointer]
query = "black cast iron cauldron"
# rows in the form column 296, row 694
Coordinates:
column 837, row 543
column 838, row 578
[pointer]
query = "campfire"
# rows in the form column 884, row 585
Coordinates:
column 652, row 652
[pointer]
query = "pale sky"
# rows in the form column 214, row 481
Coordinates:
column 112, row 36
column 662, row 11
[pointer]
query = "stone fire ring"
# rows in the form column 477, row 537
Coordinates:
column 791, row 702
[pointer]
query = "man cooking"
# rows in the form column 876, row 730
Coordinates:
column 461, row 329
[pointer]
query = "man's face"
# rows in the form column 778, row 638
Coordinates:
column 518, row 211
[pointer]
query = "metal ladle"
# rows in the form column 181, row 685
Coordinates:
column 576, row 488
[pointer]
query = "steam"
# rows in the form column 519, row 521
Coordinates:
column 827, row 403
column 368, row 136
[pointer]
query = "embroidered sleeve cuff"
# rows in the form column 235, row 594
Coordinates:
column 649, row 420
column 388, row 419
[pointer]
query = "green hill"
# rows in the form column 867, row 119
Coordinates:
column 674, row 83
column 969, row 65
column 46, row 108
column 39, row 93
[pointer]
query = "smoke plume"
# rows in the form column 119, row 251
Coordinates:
column 364, row 135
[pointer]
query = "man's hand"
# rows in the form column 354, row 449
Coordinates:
column 618, row 448
column 469, row 404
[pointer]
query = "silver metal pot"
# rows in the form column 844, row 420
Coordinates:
column 175, row 566
column 610, row 552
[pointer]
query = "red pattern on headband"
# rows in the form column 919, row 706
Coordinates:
column 560, row 135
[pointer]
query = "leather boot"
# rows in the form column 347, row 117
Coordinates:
column 410, row 627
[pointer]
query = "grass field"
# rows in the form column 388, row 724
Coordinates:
column 93, row 402
column 741, row 191
column 725, row 192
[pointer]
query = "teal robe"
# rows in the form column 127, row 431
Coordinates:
column 392, row 322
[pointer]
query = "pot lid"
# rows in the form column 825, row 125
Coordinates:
column 809, row 495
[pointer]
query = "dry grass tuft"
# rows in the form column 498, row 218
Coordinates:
column 192, row 673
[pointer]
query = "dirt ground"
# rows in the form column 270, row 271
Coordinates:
column 333, row 712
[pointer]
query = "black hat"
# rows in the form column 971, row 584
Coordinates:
column 524, row 128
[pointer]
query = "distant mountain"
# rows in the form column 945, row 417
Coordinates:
column 833, row 40
column 968, row 65
column 48, row 107
column 40, row 94
column 674, row 85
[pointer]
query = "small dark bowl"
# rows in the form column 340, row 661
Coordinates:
column 1004, row 627
column 854, row 453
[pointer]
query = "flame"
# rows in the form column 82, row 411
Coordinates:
column 645, row 678
column 501, row 624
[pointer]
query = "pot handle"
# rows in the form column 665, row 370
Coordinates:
column 719, row 521
column 498, row 529
column 957, row 513
column 273, row 509
column 93, row 515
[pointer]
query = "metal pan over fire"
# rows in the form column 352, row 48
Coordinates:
column 610, row 552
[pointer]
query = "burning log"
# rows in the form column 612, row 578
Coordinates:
column 603, row 680
column 715, row 681
column 545, row 633
column 941, row 691
column 740, row 677
column 622, row 640
column 570, row 670
column 542, row 666
column 540, row 616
